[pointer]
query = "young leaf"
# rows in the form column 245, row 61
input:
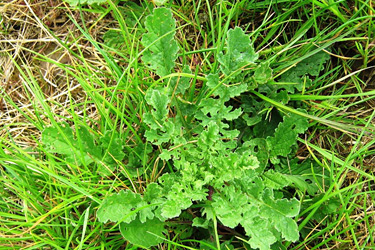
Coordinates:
column 239, row 52
column 159, row 101
column 161, row 130
column 179, row 85
column 263, row 73
column 146, row 234
column 305, row 176
column 225, row 92
column 309, row 66
column 246, row 201
column 159, row 2
column 230, row 208
column 111, row 144
column 259, row 230
column 79, row 152
column 258, row 148
column 275, row 214
column 119, row 207
column 179, row 195
column 114, row 39
column 138, row 157
column 161, row 48
column 282, row 211
column 286, row 135
column 89, row 2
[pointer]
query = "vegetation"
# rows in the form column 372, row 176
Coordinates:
column 187, row 124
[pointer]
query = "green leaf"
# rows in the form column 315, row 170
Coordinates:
column 177, row 198
column 311, row 65
column 76, row 151
column 276, row 92
column 277, row 180
column 286, row 135
column 213, row 110
column 112, row 146
column 161, row 130
column 138, row 157
column 225, row 92
column 132, row 14
column 280, row 212
column 163, row 134
column 119, row 207
column 83, row 148
column 182, row 229
column 159, row 2
column 258, row 148
column 161, row 47
column 263, row 73
column 114, row 39
column 179, row 85
column 239, row 52
column 146, row 234
column 259, row 230
column 173, row 206
column 326, row 208
column 306, row 176
column 246, row 201
column 230, row 209
column 298, row 74
column 159, row 101
column 209, row 136
column 200, row 222
column 88, row 2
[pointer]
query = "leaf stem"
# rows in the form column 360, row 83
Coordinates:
column 216, row 233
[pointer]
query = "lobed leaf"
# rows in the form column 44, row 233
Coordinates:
column 280, row 144
column 248, row 202
column 225, row 92
column 299, row 74
column 258, row 211
column 179, row 85
column 161, row 47
column 112, row 146
column 145, row 234
column 159, row 101
column 263, row 73
column 81, row 2
column 239, row 52
column 119, row 207
column 83, row 148
column 63, row 141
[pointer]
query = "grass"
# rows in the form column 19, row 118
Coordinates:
column 56, row 67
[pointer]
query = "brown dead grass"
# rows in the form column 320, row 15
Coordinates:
column 29, row 26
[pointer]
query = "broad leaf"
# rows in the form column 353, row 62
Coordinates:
column 239, row 52
column 119, row 207
column 263, row 73
column 112, row 146
column 146, row 234
column 286, row 135
column 77, row 151
column 249, row 203
column 299, row 74
column 225, row 92
column 179, row 85
column 161, row 48
column 89, row 2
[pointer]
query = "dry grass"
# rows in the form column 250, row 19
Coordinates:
column 34, row 26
